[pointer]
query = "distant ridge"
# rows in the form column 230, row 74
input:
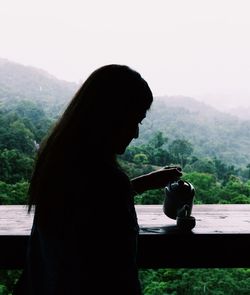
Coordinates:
column 25, row 82
column 193, row 105
column 211, row 132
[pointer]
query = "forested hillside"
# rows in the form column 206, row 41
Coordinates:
column 18, row 82
column 211, row 147
column 212, row 133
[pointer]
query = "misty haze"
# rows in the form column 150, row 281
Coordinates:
column 188, row 48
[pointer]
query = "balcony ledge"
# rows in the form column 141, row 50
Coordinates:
column 221, row 237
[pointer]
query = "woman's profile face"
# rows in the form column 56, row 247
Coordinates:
column 128, row 131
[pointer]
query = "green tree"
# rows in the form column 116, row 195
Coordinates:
column 203, row 165
column 17, row 136
column 140, row 158
column 150, row 197
column 158, row 140
column 180, row 150
column 235, row 191
column 223, row 171
column 195, row 281
column 13, row 194
column 157, row 150
column 206, row 187
column 15, row 166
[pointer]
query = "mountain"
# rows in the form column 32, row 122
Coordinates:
column 211, row 132
column 21, row 82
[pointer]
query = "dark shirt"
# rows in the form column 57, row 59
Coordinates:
column 95, row 252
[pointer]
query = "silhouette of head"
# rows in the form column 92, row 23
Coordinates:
column 108, row 107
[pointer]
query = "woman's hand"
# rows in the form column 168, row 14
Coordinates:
column 156, row 179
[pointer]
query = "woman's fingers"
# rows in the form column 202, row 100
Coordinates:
column 173, row 167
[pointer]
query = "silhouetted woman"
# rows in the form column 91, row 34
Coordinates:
column 84, row 234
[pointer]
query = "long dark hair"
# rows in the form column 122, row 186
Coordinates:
column 100, row 105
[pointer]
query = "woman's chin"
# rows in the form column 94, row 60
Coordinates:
column 121, row 150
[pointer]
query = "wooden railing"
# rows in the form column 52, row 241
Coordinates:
column 221, row 237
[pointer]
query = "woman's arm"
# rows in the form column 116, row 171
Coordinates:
column 156, row 179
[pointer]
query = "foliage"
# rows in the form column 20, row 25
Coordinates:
column 14, row 166
column 8, row 279
column 13, row 193
column 196, row 281
column 206, row 187
column 211, row 133
column 150, row 197
column 214, row 181
column 180, row 151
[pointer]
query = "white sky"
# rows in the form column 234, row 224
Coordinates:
column 199, row 48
